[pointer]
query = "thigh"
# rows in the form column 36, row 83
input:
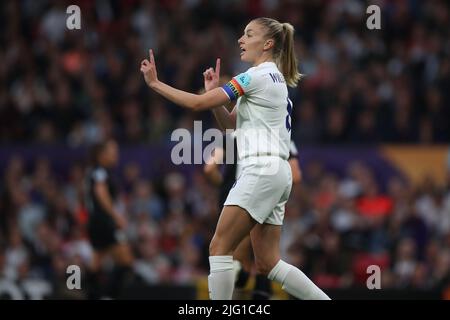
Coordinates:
column 234, row 224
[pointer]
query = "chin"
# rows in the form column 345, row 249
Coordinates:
column 244, row 58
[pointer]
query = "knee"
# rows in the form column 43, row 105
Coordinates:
column 214, row 246
column 264, row 266
column 218, row 247
column 127, row 260
column 124, row 256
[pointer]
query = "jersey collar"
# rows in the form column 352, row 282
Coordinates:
column 267, row 63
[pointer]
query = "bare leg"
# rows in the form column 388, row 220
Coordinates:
column 242, row 265
column 266, row 244
column 234, row 224
column 94, row 291
column 123, row 272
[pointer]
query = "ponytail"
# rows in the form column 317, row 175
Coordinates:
column 283, row 50
column 287, row 59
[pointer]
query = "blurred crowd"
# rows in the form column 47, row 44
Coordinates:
column 334, row 226
column 43, row 224
column 361, row 85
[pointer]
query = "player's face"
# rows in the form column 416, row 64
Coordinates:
column 111, row 153
column 252, row 42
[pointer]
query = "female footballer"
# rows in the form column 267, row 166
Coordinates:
column 261, row 118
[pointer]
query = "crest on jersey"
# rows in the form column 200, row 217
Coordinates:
column 244, row 79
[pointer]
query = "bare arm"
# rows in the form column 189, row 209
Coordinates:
column 102, row 194
column 195, row 102
column 225, row 118
column 211, row 168
column 296, row 172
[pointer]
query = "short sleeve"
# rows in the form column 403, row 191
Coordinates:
column 242, row 84
column 99, row 175
column 293, row 152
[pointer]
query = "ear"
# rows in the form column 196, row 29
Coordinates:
column 268, row 44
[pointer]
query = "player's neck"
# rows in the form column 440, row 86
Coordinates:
column 262, row 59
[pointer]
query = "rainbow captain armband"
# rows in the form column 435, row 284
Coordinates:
column 234, row 88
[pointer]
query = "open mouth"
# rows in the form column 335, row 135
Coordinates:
column 242, row 51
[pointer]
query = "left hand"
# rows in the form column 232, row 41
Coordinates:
column 212, row 77
column 148, row 69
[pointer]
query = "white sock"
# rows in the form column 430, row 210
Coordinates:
column 237, row 266
column 221, row 278
column 296, row 282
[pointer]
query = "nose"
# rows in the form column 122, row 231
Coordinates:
column 240, row 40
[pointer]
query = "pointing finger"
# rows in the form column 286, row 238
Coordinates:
column 218, row 66
column 152, row 58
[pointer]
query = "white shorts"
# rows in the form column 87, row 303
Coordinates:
column 262, row 188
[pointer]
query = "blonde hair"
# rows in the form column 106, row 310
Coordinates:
column 283, row 50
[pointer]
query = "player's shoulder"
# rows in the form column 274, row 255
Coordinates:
column 263, row 68
column 293, row 149
column 256, row 74
column 99, row 174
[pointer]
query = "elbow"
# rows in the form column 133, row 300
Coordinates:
column 199, row 104
column 204, row 102
column 195, row 106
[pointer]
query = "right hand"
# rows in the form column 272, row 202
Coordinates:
column 212, row 77
column 148, row 69
column 217, row 157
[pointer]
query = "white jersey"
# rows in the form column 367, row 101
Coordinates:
column 263, row 111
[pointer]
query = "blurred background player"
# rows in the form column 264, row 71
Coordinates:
column 224, row 180
column 106, row 225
